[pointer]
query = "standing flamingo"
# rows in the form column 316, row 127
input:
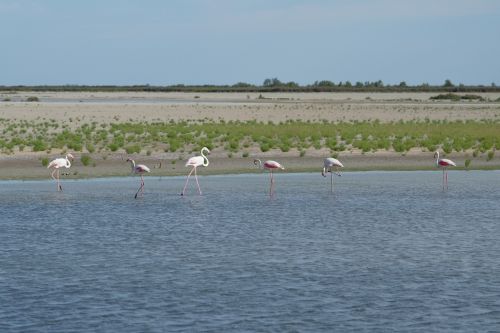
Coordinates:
column 271, row 166
column 57, row 164
column 139, row 169
column 195, row 162
column 444, row 163
column 329, row 164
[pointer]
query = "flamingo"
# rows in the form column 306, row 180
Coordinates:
column 58, row 163
column 271, row 166
column 139, row 169
column 444, row 163
column 329, row 164
column 195, row 162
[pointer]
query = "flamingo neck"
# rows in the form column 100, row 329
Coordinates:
column 258, row 162
column 205, row 159
column 68, row 162
column 437, row 158
column 132, row 164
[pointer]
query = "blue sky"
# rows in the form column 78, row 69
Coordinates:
column 156, row 42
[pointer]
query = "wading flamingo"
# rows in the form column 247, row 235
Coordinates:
column 331, row 165
column 139, row 169
column 195, row 162
column 271, row 166
column 444, row 163
column 56, row 165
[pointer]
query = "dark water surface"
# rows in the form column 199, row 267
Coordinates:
column 388, row 251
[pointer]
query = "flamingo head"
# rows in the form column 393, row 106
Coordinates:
column 128, row 160
column 436, row 154
column 69, row 156
column 323, row 172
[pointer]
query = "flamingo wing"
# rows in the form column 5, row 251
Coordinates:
column 57, row 163
column 273, row 165
column 330, row 161
column 195, row 161
column 141, row 168
column 446, row 162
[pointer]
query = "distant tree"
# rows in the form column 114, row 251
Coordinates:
column 292, row 84
column 402, row 84
column 272, row 82
column 448, row 83
column 348, row 84
column 493, row 84
column 325, row 83
column 242, row 85
column 359, row 84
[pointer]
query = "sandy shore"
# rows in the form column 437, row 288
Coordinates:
column 78, row 108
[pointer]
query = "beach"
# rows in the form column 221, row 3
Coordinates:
column 74, row 109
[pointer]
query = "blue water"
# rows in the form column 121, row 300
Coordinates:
column 387, row 251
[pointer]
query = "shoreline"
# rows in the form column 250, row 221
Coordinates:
column 13, row 168
column 56, row 111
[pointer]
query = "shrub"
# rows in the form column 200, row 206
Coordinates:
column 85, row 159
column 133, row 149
column 467, row 163
column 490, row 155
column 32, row 99
column 39, row 145
column 45, row 161
column 245, row 154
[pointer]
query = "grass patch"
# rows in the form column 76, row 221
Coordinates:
column 85, row 159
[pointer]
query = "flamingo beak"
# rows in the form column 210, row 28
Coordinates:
column 323, row 172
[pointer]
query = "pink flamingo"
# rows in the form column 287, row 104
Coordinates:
column 329, row 164
column 139, row 169
column 444, row 163
column 271, row 166
column 56, row 165
column 195, row 162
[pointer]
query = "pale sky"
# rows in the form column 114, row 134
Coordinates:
column 164, row 42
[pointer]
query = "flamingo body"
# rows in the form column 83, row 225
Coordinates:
column 139, row 169
column 58, row 163
column 195, row 162
column 271, row 166
column 328, row 165
column 444, row 163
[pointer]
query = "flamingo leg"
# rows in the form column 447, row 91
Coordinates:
column 443, row 179
column 271, row 189
column 141, row 188
column 59, row 187
column 331, row 181
column 197, row 183
column 53, row 177
column 142, row 184
column 446, row 179
column 187, row 180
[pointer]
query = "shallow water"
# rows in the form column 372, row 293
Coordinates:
column 387, row 251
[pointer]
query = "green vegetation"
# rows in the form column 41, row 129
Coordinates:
column 455, row 97
column 240, row 137
column 490, row 155
column 45, row 161
column 85, row 160
column 32, row 99
column 272, row 85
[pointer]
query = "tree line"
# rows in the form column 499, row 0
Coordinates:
column 269, row 85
